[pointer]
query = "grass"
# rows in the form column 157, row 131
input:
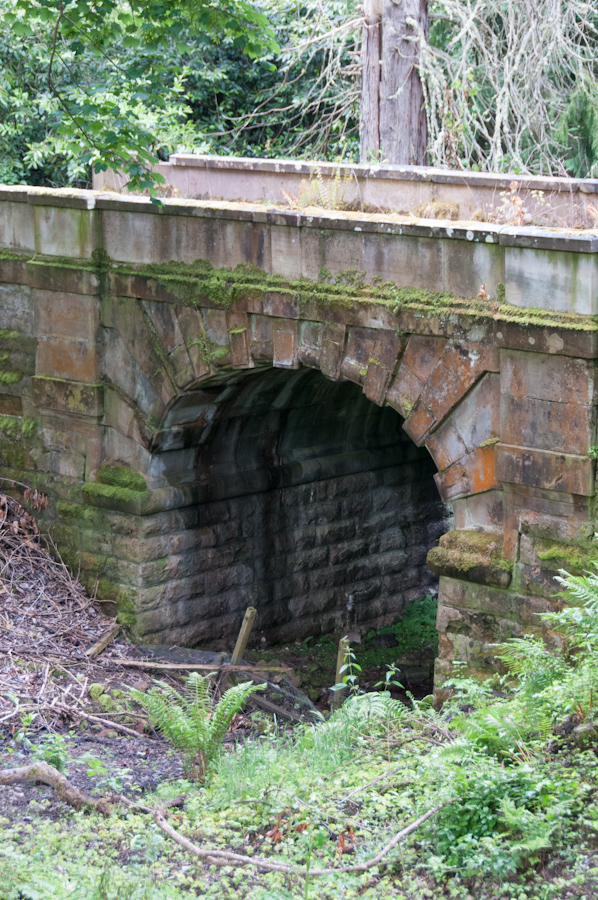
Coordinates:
column 510, row 767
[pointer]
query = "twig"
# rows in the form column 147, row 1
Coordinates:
column 225, row 857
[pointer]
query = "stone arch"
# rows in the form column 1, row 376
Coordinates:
column 446, row 387
column 168, row 365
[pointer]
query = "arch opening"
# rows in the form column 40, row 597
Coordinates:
column 317, row 508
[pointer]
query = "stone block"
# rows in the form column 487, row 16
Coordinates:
column 522, row 335
column 70, row 279
column 16, row 309
column 483, row 510
column 552, row 279
column 286, row 252
column 131, row 323
column 16, row 226
column 239, row 340
column 333, row 348
column 456, row 371
column 472, row 474
column 65, row 315
column 541, row 468
column 547, row 425
column 73, row 360
column 475, row 421
column 281, row 305
column 64, row 231
column 285, row 339
column 544, row 377
column 10, row 405
column 68, row 397
column 165, row 323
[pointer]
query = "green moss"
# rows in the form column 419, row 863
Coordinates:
column 28, row 427
column 16, row 427
column 10, row 425
column 116, row 495
column 568, row 556
column 13, row 454
column 123, row 477
column 238, row 330
column 106, row 592
column 491, row 442
column 10, row 377
column 6, row 254
column 501, row 293
column 407, row 405
column 460, row 551
column 220, row 352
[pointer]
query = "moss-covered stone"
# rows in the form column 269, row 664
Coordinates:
column 575, row 558
column 123, row 477
column 472, row 555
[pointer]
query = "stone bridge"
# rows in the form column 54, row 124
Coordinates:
column 232, row 403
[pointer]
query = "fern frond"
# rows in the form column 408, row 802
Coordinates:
column 193, row 722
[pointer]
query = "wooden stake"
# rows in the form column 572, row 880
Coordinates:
column 250, row 614
column 344, row 649
column 103, row 642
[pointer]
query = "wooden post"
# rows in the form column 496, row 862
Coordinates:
column 403, row 125
column 250, row 614
column 369, row 121
column 343, row 655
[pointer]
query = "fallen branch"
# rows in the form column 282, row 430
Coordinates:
column 47, row 774
column 76, row 713
column 227, row 858
column 68, row 793
column 196, row 667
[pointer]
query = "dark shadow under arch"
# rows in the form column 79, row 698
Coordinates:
column 319, row 510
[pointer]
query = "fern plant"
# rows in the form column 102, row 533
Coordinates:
column 194, row 722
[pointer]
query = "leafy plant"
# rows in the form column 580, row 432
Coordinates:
column 194, row 722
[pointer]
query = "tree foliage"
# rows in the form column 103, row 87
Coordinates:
column 509, row 86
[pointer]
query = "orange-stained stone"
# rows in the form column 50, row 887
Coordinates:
column 422, row 354
column 473, row 474
column 284, row 339
column 419, row 423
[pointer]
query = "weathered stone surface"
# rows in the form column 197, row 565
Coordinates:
column 302, row 497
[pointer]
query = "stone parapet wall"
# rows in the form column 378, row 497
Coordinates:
column 424, row 191
column 128, row 333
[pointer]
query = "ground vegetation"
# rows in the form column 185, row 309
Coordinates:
column 489, row 794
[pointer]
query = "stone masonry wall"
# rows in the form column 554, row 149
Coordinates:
column 343, row 551
column 181, row 491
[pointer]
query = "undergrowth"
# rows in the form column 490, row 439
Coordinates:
column 509, row 766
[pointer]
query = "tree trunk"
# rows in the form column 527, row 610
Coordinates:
column 393, row 116
column 369, row 121
column 403, row 127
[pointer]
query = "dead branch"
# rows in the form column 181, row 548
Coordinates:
column 68, row 793
column 196, row 667
column 47, row 774
column 227, row 858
